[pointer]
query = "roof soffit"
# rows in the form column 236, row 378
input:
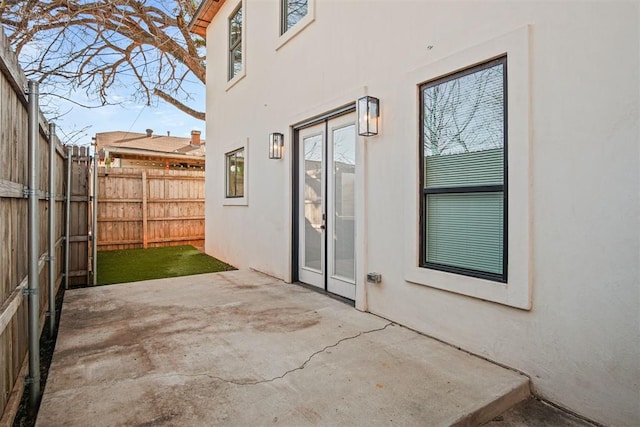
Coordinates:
column 204, row 15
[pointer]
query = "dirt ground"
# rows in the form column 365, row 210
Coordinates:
column 26, row 417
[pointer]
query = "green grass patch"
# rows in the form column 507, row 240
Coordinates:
column 132, row 265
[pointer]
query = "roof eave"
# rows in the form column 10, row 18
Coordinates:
column 203, row 16
column 153, row 153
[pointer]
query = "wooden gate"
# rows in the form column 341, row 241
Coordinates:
column 79, row 217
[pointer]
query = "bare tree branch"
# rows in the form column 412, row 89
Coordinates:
column 178, row 104
column 98, row 46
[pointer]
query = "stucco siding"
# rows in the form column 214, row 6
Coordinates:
column 573, row 323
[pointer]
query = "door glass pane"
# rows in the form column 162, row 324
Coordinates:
column 313, row 202
column 344, row 172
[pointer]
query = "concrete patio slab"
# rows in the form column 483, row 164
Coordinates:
column 242, row 348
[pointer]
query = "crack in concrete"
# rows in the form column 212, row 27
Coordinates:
column 299, row 368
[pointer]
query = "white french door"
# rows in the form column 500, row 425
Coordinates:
column 326, row 211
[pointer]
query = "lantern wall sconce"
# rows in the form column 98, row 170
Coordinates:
column 368, row 116
column 276, row 145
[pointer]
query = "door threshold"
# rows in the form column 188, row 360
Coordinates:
column 336, row 297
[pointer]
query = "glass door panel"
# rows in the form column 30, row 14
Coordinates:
column 312, row 219
column 341, row 207
column 344, row 173
column 327, row 210
column 313, row 202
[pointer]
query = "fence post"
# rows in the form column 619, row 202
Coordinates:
column 94, row 222
column 33, row 235
column 67, row 216
column 52, row 229
column 145, row 234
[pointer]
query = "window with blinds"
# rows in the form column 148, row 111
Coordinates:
column 463, row 178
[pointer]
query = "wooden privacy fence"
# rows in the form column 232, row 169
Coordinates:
column 79, row 209
column 23, row 305
column 149, row 208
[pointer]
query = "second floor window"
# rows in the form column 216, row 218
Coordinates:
column 235, row 43
column 292, row 12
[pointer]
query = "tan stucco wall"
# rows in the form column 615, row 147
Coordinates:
column 574, row 161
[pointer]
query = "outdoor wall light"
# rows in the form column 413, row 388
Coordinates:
column 276, row 145
column 368, row 116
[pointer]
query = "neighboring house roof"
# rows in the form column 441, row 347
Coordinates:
column 204, row 15
column 119, row 141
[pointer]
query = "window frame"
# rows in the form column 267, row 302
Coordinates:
column 425, row 192
column 291, row 32
column 227, row 159
column 518, row 291
column 284, row 21
column 238, row 44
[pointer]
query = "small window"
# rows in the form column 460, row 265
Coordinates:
column 235, row 43
column 463, row 161
column 234, row 167
column 292, row 12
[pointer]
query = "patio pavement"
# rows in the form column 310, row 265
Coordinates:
column 243, row 348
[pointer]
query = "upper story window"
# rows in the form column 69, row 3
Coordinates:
column 235, row 43
column 463, row 177
column 292, row 12
column 235, row 173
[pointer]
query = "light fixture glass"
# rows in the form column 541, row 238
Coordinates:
column 276, row 145
column 368, row 116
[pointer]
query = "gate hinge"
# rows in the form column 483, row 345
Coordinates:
column 48, row 258
column 28, row 380
column 26, row 192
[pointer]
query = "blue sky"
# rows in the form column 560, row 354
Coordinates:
column 128, row 116
column 77, row 125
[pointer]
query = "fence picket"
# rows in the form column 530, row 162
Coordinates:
column 149, row 208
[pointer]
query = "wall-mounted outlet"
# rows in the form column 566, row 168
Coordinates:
column 374, row 277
